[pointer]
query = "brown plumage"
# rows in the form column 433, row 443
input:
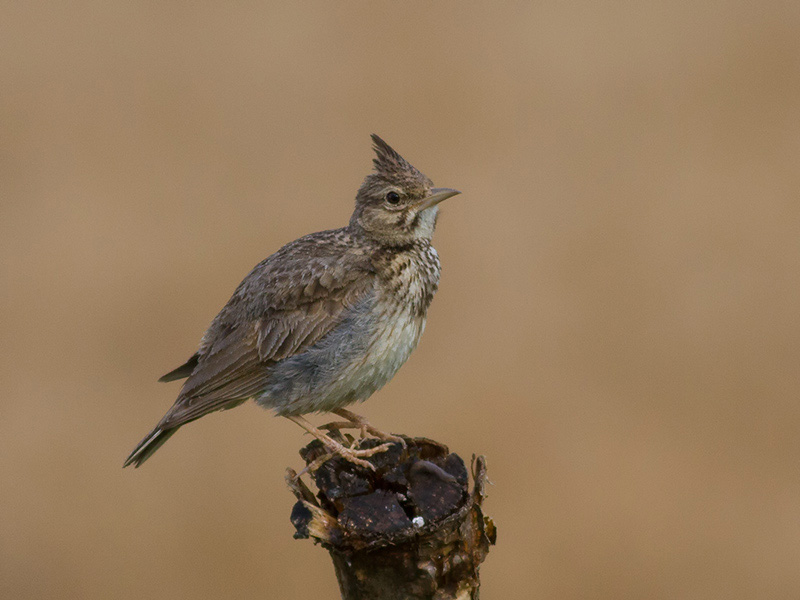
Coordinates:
column 327, row 319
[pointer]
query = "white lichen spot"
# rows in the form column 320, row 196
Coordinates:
column 418, row 521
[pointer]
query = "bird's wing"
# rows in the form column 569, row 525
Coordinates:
column 284, row 306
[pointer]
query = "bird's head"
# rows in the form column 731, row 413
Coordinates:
column 396, row 205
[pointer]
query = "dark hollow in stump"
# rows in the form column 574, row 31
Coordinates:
column 410, row 530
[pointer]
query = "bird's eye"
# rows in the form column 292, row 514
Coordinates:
column 393, row 197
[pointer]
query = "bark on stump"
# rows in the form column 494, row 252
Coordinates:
column 410, row 530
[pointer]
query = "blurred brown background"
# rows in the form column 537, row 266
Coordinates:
column 617, row 323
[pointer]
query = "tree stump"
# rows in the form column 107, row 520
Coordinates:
column 410, row 530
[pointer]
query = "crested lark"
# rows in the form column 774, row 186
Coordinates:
column 325, row 321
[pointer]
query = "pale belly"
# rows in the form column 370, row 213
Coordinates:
column 351, row 364
column 392, row 345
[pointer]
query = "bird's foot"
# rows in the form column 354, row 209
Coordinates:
column 383, row 436
column 366, row 431
column 353, row 455
column 355, row 421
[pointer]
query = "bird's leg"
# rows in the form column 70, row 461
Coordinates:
column 361, row 425
column 354, row 456
column 337, row 425
column 366, row 429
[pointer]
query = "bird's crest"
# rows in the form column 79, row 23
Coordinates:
column 388, row 161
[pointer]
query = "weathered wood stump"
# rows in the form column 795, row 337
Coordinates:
column 409, row 530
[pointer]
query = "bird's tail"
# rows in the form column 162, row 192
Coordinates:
column 151, row 442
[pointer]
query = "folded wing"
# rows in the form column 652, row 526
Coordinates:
column 281, row 308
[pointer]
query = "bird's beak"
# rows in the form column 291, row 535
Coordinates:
column 437, row 195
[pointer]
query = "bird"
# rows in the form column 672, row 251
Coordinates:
column 325, row 321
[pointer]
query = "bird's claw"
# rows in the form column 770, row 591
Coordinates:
column 382, row 435
column 355, row 456
column 367, row 431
